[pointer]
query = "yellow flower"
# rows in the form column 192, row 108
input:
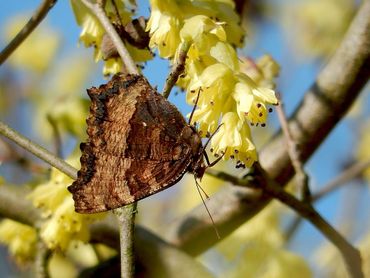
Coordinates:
column 62, row 224
column 92, row 33
column 50, row 195
column 212, row 71
column 197, row 26
column 233, row 140
column 263, row 72
column 20, row 238
column 65, row 225
column 38, row 51
column 164, row 32
column 251, row 100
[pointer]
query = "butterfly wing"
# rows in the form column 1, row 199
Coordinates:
column 133, row 148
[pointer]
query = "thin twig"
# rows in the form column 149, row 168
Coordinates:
column 56, row 135
column 42, row 259
column 294, row 154
column 350, row 254
column 260, row 179
column 32, row 23
column 126, row 221
column 38, row 151
column 177, row 69
column 98, row 10
column 348, row 174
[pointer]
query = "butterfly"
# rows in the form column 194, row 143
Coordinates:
column 138, row 144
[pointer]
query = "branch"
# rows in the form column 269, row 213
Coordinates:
column 56, row 134
column 98, row 10
column 126, row 222
column 350, row 173
column 32, row 23
column 294, row 155
column 13, row 205
column 177, row 69
column 347, row 175
column 336, row 88
column 155, row 257
column 350, row 254
column 41, row 260
column 38, row 151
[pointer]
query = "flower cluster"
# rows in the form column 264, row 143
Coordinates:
column 62, row 224
column 213, row 71
column 92, row 33
column 20, row 238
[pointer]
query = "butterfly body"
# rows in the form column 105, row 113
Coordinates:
column 138, row 144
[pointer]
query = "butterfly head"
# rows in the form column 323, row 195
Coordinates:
column 192, row 138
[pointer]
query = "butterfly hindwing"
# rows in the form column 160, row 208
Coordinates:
column 133, row 148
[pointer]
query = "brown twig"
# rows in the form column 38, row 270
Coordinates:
column 126, row 223
column 42, row 259
column 294, row 154
column 260, row 180
column 56, row 135
column 98, row 10
column 177, row 69
column 323, row 106
column 347, row 175
column 32, row 23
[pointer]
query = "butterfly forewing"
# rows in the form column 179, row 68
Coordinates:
column 134, row 147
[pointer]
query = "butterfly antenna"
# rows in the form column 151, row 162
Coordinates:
column 204, row 203
column 201, row 188
column 195, row 106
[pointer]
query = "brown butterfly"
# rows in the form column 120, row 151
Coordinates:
column 138, row 144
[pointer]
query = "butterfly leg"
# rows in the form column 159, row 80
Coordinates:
column 209, row 139
column 195, row 106
column 214, row 162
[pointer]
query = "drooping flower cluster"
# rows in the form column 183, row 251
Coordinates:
column 62, row 224
column 227, row 95
column 92, row 32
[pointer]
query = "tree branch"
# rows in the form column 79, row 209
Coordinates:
column 336, row 88
column 350, row 254
column 98, row 10
column 154, row 255
column 347, row 175
column 41, row 260
column 126, row 222
column 38, row 151
column 294, row 155
column 13, row 205
column 177, row 69
column 32, row 23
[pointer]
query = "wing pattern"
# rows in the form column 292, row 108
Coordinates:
column 133, row 148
